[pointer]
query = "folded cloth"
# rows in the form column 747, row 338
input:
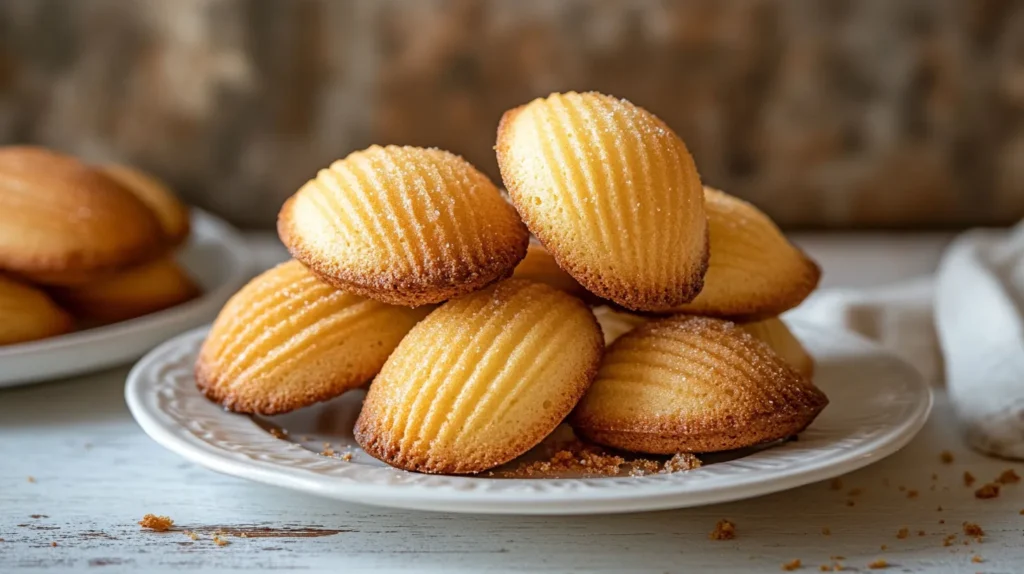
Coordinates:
column 963, row 327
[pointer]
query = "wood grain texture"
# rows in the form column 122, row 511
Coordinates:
column 823, row 113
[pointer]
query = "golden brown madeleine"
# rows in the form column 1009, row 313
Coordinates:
column 539, row 265
column 481, row 380
column 288, row 340
column 615, row 323
column 172, row 214
column 131, row 293
column 60, row 217
column 755, row 272
column 403, row 225
column 694, row 384
column 612, row 192
column 27, row 314
column 778, row 336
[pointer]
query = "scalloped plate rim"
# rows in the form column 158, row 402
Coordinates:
column 593, row 495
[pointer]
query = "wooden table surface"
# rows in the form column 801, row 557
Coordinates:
column 76, row 474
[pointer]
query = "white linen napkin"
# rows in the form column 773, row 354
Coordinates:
column 964, row 327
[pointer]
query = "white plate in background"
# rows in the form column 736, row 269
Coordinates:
column 215, row 257
column 877, row 404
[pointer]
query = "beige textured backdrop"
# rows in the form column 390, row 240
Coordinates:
column 825, row 113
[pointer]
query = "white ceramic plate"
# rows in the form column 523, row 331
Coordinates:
column 215, row 257
column 878, row 403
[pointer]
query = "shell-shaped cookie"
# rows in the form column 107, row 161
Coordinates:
column 778, row 336
column 27, row 314
column 539, row 265
column 755, row 272
column 694, row 384
column 288, row 340
column 612, row 192
column 172, row 214
column 130, row 293
column 481, row 380
column 59, row 216
column 403, row 225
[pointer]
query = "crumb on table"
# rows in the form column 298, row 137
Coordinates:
column 968, row 478
column 878, row 564
column 946, row 457
column 157, row 523
column 1009, row 476
column 903, row 533
column 724, row 530
column 792, row 565
column 990, row 490
column 972, row 529
column 825, row 531
column 911, row 494
column 53, row 544
column 836, row 484
column 30, row 478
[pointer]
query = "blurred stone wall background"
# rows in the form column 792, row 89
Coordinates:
column 855, row 113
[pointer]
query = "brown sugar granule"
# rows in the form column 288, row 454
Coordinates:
column 946, row 457
column 903, row 533
column 792, row 565
column 856, row 491
column 911, row 494
column 724, row 530
column 972, row 529
column 1008, row 477
column 220, row 541
column 977, row 559
column 191, row 535
column 968, row 478
column 31, row 479
column 157, row 523
column 680, row 462
column 826, row 532
column 878, row 565
column 836, row 484
column 990, row 490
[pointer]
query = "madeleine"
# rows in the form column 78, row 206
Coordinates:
column 28, row 314
column 694, row 384
column 288, row 340
column 172, row 214
column 755, row 272
column 62, row 221
column 403, row 225
column 612, row 192
column 778, row 336
column 481, row 380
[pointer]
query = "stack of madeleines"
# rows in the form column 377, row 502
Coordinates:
column 83, row 245
column 411, row 269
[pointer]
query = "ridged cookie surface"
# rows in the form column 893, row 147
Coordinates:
column 59, row 216
column 778, row 336
column 694, row 384
column 27, row 314
column 539, row 265
column 403, row 225
column 481, row 380
column 172, row 214
column 288, row 340
column 612, row 192
column 755, row 272
column 131, row 293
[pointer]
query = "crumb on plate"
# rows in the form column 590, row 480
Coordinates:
column 792, row 565
column 972, row 529
column 968, row 478
column 878, row 564
column 1009, row 476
